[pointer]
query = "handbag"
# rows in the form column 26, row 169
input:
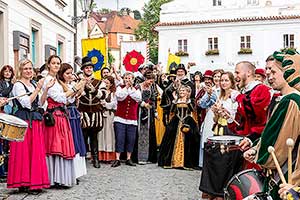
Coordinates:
column 49, row 119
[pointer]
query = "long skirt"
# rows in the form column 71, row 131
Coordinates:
column 60, row 150
column 61, row 171
column 27, row 163
column 106, row 138
column 80, row 149
column 159, row 125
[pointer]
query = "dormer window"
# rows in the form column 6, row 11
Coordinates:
column 252, row 2
column 217, row 2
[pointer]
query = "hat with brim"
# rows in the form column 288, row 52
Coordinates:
column 181, row 66
column 86, row 61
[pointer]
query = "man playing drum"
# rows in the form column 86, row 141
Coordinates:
column 283, row 123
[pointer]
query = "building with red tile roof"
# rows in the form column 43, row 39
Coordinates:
column 116, row 27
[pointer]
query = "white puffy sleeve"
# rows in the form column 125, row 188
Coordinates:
column 113, row 104
column 56, row 92
column 121, row 93
column 19, row 89
column 135, row 94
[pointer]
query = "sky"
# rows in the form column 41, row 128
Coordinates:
column 112, row 4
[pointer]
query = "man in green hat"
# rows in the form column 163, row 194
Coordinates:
column 284, row 121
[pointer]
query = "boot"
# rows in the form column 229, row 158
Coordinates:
column 96, row 162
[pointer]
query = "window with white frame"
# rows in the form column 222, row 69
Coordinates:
column 246, row 42
column 217, row 2
column 213, row 43
column 183, row 45
column 252, row 2
column 288, row 41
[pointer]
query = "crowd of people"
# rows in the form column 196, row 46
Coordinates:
column 173, row 119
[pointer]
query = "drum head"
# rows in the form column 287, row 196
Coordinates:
column 12, row 120
column 225, row 139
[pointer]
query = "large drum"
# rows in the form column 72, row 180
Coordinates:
column 259, row 196
column 12, row 128
column 219, row 167
column 247, row 184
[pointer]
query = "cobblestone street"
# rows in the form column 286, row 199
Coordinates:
column 147, row 182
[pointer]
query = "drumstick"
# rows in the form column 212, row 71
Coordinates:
column 290, row 143
column 271, row 150
column 12, row 98
column 228, row 115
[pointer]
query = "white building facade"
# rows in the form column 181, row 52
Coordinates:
column 38, row 29
column 219, row 33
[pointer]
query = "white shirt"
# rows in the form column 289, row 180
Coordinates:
column 19, row 89
column 121, row 95
column 56, row 92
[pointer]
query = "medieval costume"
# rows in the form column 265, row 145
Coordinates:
column 80, row 149
column 147, row 146
column 180, row 144
column 106, row 137
column 125, row 121
column 59, row 141
column 91, row 112
column 27, row 163
column 253, row 103
column 226, row 126
column 283, row 124
column 6, row 86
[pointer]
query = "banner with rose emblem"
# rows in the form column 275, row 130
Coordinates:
column 133, row 54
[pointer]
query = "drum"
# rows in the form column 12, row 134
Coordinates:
column 224, row 142
column 259, row 196
column 12, row 128
column 218, row 168
column 244, row 184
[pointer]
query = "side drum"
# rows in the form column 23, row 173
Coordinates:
column 244, row 184
column 218, row 166
column 259, row 196
column 12, row 128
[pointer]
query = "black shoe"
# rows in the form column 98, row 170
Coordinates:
column 130, row 163
column 116, row 163
column 35, row 192
column 96, row 162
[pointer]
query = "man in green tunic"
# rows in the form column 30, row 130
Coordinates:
column 284, row 121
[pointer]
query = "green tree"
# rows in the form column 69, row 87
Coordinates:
column 145, row 29
column 111, row 58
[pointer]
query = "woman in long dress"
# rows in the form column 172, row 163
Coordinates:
column 106, row 137
column 27, row 168
column 147, row 146
column 180, row 144
column 59, row 142
column 65, row 74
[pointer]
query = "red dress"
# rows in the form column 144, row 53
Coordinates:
column 58, row 138
column 27, row 165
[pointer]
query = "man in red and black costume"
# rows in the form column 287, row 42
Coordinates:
column 253, row 101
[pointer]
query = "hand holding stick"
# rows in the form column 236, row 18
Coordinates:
column 290, row 143
column 12, row 98
column 271, row 150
